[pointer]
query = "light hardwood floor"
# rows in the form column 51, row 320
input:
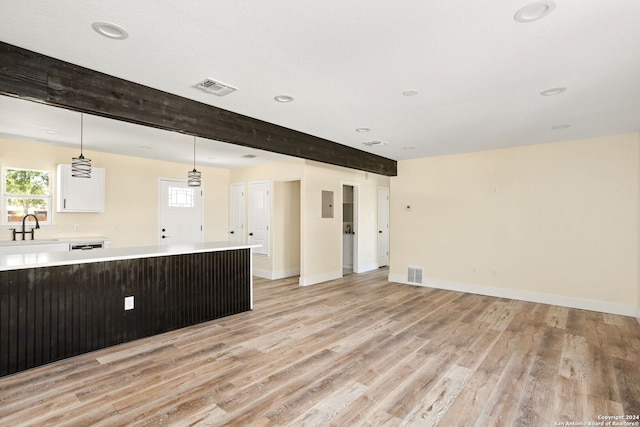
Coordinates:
column 355, row 351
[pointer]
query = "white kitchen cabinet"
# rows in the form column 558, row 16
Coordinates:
column 80, row 194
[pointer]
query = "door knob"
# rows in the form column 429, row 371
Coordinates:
column 163, row 230
column 164, row 237
column 250, row 234
column 231, row 232
column 380, row 231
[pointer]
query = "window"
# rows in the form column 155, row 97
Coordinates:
column 180, row 197
column 26, row 192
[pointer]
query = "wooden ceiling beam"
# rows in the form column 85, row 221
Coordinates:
column 36, row 77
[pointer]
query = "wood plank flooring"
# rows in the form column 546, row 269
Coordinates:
column 358, row 351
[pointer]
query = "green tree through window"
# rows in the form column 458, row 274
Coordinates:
column 26, row 192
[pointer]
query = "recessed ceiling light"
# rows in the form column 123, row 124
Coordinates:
column 374, row 143
column 144, row 147
column 249, row 156
column 361, row 130
column 553, row 91
column 535, row 11
column 408, row 148
column 110, row 30
column 50, row 132
column 410, row 92
column 558, row 127
column 283, row 98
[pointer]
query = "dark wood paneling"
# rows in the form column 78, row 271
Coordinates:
column 51, row 313
column 30, row 75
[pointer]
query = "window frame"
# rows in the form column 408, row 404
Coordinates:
column 6, row 196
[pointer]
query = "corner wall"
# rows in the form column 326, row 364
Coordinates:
column 322, row 237
column 554, row 223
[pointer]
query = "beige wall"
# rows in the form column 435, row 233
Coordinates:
column 131, row 212
column 286, row 228
column 554, row 222
column 320, row 238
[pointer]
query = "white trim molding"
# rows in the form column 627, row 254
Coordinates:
column 274, row 275
column 367, row 267
column 307, row 281
column 552, row 299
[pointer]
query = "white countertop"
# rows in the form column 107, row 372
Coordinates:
column 50, row 259
column 28, row 242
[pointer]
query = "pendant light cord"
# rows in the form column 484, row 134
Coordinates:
column 81, row 133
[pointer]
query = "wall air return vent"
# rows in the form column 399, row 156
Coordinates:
column 414, row 275
column 215, row 87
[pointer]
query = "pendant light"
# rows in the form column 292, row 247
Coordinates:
column 81, row 166
column 195, row 177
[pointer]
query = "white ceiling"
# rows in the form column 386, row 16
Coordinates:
column 478, row 72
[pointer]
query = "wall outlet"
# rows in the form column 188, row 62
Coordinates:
column 76, row 227
column 474, row 270
column 494, row 272
column 128, row 303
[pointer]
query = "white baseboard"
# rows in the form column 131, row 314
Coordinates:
column 285, row 273
column 307, row 281
column 273, row 275
column 367, row 267
column 560, row 300
column 264, row 274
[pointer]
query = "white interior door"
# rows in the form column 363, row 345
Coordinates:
column 236, row 213
column 383, row 226
column 259, row 215
column 180, row 213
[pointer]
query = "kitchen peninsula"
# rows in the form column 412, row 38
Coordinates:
column 55, row 305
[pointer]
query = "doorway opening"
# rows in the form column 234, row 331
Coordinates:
column 349, row 226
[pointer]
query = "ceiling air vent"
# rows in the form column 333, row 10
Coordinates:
column 374, row 143
column 216, row 88
column 249, row 156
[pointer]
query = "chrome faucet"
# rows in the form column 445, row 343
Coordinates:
column 24, row 232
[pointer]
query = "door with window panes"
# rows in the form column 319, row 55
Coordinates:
column 180, row 213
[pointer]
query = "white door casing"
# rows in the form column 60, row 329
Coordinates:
column 259, row 216
column 180, row 213
column 236, row 213
column 383, row 226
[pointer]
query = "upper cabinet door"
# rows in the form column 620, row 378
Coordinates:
column 80, row 194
